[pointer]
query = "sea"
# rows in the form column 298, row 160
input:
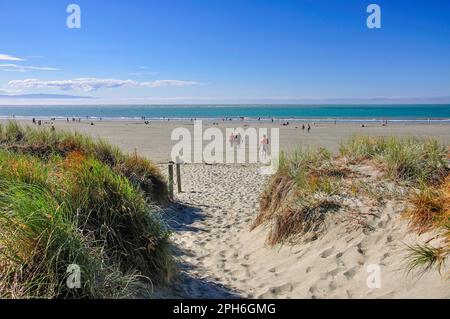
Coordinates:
column 412, row 113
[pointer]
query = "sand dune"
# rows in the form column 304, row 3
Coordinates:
column 218, row 250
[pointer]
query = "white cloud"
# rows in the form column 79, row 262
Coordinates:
column 23, row 68
column 161, row 83
column 92, row 84
column 7, row 57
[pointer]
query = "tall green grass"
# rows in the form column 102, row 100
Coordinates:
column 61, row 208
column 45, row 143
column 39, row 240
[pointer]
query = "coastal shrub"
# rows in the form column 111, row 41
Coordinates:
column 45, row 143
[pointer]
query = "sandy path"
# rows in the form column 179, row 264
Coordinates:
column 217, row 205
column 221, row 258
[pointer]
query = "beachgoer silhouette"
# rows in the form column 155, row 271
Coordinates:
column 232, row 139
column 238, row 139
column 264, row 146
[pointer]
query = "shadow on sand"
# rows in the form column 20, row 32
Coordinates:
column 180, row 217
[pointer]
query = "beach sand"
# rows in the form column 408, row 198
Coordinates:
column 153, row 140
column 221, row 258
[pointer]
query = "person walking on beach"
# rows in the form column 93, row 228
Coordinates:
column 303, row 127
column 264, row 146
column 232, row 139
column 309, row 128
column 238, row 140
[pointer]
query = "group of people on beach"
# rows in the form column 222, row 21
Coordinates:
column 236, row 141
column 308, row 128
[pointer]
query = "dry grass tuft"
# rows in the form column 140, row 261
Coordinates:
column 300, row 196
column 430, row 207
column 308, row 218
column 430, row 211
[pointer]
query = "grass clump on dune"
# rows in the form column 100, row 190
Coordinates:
column 409, row 159
column 116, row 213
column 300, row 196
column 72, row 208
column 44, row 143
column 311, row 185
column 424, row 165
column 38, row 242
column 430, row 211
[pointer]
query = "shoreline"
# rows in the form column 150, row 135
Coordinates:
column 244, row 120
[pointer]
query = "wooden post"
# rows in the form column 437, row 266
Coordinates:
column 171, row 180
column 179, row 177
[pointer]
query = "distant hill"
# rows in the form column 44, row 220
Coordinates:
column 43, row 96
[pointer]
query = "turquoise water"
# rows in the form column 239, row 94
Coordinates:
column 319, row 112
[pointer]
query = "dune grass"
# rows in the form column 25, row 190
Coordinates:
column 424, row 165
column 300, row 195
column 38, row 242
column 310, row 185
column 45, row 143
column 430, row 211
column 409, row 159
column 68, row 207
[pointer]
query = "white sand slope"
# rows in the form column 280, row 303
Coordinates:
column 222, row 258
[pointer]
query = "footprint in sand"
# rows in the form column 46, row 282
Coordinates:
column 349, row 274
column 333, row 286
column 360, row 249
column 276, row 291
column 327, row 252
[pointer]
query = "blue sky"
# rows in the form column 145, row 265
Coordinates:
column 247, row 51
